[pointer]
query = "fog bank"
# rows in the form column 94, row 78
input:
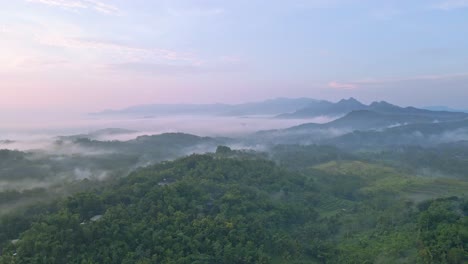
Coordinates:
column 35, row 129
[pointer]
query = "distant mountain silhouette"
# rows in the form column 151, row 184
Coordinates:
column 344, row 107
column 268, row 107
column 355, row 115
column 361, row 123
column 445, row 108
column 366, row 120
column 326, row 108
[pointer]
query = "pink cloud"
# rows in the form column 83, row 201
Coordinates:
column 338, row 85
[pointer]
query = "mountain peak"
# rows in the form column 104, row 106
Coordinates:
column 383, row 104
column 350, row 101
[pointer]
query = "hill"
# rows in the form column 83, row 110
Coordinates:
column 213, row 209
column 356, row 125
column 326, row 108
column 367, row 120
column 422, row 134
column 196, row 210
column 361, row 120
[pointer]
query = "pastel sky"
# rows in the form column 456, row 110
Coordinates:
column 87, row 55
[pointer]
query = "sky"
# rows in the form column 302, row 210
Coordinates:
column 90, row 55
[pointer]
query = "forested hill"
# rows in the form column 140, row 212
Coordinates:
column 234, row 208
column 199, row 209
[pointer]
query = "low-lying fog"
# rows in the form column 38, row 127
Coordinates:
column 50, row 161
column 34, row 133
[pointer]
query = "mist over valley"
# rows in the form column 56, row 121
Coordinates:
column 234, row 132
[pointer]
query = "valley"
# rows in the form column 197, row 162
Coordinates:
column 296, row 195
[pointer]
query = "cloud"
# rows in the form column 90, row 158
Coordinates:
column 339, row 85
column 76, row 5
column 124, row 53
column 451, row 4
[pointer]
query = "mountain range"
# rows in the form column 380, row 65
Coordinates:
column 377, row 123
column 286, row 108
column 355, row 121
column 420, row 134
column 269, row 107
column 345, row 106
column 445, row 108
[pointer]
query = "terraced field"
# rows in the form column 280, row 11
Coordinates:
column 437, row 188
column 358, row 168
column 329, row 205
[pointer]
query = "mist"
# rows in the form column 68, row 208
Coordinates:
column 34, row 132
column 58, row 153
column 233, row 131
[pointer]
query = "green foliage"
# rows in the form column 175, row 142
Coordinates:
column 447, row 160
column 223, row 150
column 235, row 207
column 299, row 157
column 196, row 210
column 443, row 232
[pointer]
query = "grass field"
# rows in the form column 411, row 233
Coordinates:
column 379, row 179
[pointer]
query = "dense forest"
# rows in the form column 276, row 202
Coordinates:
column 354, row 190
column 248, row 207
column 233, row 132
